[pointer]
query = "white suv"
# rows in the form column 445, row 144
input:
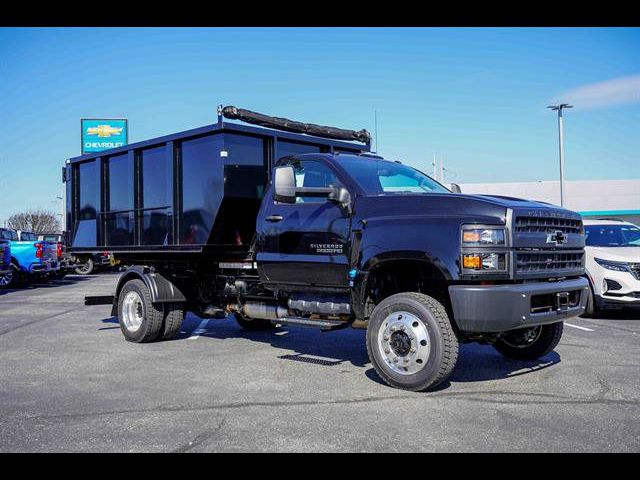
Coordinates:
column 613, row 264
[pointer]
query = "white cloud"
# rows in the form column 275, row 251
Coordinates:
column 618, row 91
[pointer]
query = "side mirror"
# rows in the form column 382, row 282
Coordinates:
column 340, row 195
column 455, row 188
column 284, row 182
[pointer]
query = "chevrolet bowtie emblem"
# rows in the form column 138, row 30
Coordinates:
column 558, row 237
column 104, row 130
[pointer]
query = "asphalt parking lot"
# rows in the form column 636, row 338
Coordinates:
column 69, row 382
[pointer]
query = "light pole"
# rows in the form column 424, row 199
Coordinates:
column 559, row 109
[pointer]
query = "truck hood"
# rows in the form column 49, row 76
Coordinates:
column 439, row 204
column 616, row 254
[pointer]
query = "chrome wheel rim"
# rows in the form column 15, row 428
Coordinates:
column 404, row 343
column 522, row 339
column 83, row 269
column 132, row 311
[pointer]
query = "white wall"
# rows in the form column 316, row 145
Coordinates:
column 580, row 195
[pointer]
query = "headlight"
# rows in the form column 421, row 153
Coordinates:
column 611, row 265
column 472, row 237
column 485, row 262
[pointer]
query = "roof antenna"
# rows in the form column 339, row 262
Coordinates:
column 375, row 120
column 220, row 114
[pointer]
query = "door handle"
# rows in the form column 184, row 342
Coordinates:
column 274, row 218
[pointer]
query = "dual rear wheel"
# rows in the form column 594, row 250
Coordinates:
column 141, row 321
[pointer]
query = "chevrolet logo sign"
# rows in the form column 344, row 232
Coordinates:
column 558, row 237
column 104, row 131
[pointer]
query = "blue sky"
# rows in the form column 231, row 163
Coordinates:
column 475, row 96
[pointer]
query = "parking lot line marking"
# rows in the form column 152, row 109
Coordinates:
column 200, row 330
column 579, row 327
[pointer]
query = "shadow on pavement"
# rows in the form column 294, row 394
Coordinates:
column 476, row 362
column 621, row 314
column 68, row 280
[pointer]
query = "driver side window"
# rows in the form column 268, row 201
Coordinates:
column 311, row 173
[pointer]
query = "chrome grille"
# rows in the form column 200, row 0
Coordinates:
column 551, row 261
column 525, row 224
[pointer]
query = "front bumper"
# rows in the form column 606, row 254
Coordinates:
column 626, row 292
column 498, row 308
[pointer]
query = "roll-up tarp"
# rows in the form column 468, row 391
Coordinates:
column 234, row 113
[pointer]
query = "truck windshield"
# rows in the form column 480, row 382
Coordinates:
column 612, row 235
column 383, row 177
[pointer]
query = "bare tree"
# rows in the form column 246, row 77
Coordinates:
column 36, row 221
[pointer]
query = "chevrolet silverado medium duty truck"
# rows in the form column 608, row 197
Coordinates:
column 30, row 259
column 299, row 224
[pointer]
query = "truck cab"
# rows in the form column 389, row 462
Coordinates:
column 344, row 238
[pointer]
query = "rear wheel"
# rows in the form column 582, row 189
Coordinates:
column 410, row 341
column 140, row 321
column 529, row 343
column 86, row 268
column 14, row 279
column 173, row 316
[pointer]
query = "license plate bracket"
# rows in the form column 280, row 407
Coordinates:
column 562, row 301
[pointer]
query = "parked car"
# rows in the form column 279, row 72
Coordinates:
column 612, row 264
column 30, row 259
column 65, row 260
column 94, row 263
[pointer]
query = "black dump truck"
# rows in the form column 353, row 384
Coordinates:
column 288, row 223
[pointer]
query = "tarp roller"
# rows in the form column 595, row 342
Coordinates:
column 235, row 113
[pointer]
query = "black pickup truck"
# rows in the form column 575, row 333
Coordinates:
column 300, row 225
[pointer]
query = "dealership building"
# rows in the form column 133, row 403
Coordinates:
column 613, row 199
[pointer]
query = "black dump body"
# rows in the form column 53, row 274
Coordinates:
column 190, row 192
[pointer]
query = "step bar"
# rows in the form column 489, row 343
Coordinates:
column 324, row 325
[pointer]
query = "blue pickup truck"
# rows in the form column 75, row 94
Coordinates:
column 30, row 259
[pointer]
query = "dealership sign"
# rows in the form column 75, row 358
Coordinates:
column 102, row 134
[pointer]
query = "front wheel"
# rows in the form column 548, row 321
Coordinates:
column 529, row 343
column 410, row 341
column 591, row 309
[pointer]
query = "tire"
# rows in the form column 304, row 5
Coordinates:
column 514, row 345
column 14, row 279
column 140, row 321
column 253, row 324
column 86, row 268
column 173, row 316
column 591, row 310
column 426, row 355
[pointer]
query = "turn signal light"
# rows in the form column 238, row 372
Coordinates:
column 471, row 236
column 472, row 261
column 38, row 250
